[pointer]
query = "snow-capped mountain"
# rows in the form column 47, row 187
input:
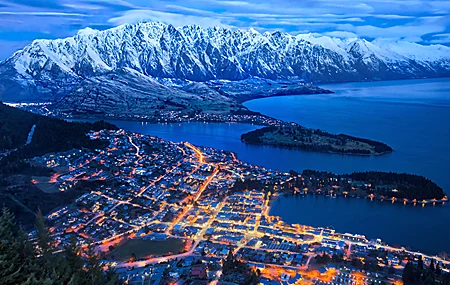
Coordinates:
column 49, row 69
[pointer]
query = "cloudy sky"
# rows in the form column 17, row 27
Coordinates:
column 422, row 21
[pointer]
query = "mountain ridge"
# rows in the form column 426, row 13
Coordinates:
column 51, row 69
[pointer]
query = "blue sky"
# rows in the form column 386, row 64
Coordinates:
column 422, row 21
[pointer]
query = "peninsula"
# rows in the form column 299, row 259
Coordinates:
column 185, row 206
column 297, row 137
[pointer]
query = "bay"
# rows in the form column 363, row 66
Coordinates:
column 423, row 229
column 412, row 116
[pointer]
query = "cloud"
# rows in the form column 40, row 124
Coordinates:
column 45, row 4
column 41, row 14
column 416, row 20
column 341, row 34
column 176, row 19
column 392, row 17
column 412, row 31
column 439, row 39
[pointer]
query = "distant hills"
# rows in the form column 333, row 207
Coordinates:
column 148, row 61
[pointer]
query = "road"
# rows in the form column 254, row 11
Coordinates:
column 136, row 146
column 199, row 236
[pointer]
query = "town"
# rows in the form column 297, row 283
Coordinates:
column 175, row 213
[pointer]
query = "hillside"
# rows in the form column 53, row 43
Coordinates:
column 50, row 135
column 127, row 92
column 15, row 125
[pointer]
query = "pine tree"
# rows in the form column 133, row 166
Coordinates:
column 23, row 263
column 33, row 280
column 11, row 266
column 411, row 274
column 72, row 254
column 43, row 238
column 438, row 269
column 420, row 263
column 94, row 272
column 432, row 265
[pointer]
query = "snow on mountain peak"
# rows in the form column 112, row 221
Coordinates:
column 87, row 32
column 194, row 53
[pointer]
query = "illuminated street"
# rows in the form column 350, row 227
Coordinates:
column 157, row 190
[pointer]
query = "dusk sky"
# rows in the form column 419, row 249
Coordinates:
column 422, row 21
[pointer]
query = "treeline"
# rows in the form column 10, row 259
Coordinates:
column 418, row 274
column 254, row 137
column 50, row 135
column 54, row 135
column 236, row 271
column 409, row 186
column 25, row 200
column 36, row 262
column 379, row 146
column 15, row 125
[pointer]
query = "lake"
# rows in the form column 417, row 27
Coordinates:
column 420, row 228
column 412, row 116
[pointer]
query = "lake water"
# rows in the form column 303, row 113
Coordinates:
column 413, row 117
column 424, row 229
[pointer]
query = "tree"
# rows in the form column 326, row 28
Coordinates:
column 432, row 265
column 42, row 236
column 438, row 269
column 18, row 263
column 93, row 269
column 73, row 261
column 323, row 259
column 228, row 263
column 133, row 257
column 411, row 274
column 336, row 258
column 10, row 266
column 23, row 263
column 420, row 262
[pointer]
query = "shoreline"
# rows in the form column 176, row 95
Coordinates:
column 405, row 247
column 330, row 152
column 256, row 119
column 391, row 199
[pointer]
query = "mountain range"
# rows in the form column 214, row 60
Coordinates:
column 155, row 58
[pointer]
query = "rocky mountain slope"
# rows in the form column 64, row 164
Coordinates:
column 127, row 92
column 52, row 69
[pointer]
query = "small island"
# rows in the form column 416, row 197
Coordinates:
column 297, row 137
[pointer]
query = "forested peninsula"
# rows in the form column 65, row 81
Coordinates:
column 298, row 137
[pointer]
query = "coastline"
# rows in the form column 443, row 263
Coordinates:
column 396, row 240
column 371, row 198
column 244, row 117
column 330, row 152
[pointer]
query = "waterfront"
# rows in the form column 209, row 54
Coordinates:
column 419, row 228
column 416, row 129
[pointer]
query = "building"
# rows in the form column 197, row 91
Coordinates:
column 199, row 271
